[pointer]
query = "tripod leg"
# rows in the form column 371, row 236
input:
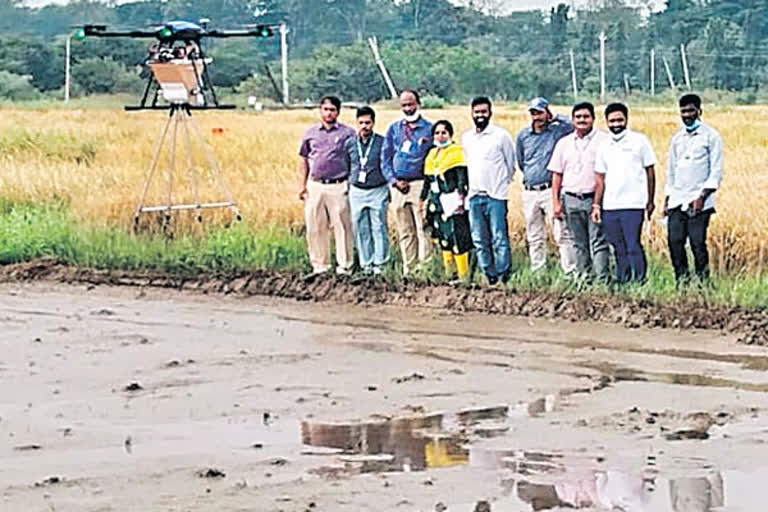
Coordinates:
column 172, row 164
column 152, row 169
column 214, row 166
column 191, row 171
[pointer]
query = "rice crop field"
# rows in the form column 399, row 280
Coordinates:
column 96, row 159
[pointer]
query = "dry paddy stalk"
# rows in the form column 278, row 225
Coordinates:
column 97, row 159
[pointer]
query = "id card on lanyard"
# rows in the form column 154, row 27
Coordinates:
column 362, row 176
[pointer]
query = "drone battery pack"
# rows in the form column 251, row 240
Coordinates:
column 179, row 79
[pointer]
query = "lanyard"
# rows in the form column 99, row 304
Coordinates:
column 364, row 156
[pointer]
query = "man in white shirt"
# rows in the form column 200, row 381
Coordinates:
column 625, row 188
column 490, row 156
column 694, row 173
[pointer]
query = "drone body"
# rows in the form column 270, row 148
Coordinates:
column 179, row 67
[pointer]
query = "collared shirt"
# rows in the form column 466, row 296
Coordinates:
column 534, row 150
column 324, row 147
column 574, row 158
column 490, row 157
column 695, row 163
column 404, row 149
column 623, row 163
column 365, row 161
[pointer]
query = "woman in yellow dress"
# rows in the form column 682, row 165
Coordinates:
column 445, row 190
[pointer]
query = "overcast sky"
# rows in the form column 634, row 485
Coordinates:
column 512, row 5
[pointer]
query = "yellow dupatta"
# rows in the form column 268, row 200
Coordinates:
column 437, row 162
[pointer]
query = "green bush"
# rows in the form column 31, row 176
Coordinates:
column 17, row 87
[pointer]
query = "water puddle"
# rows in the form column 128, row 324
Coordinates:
column 619, row 373
column 548, row 481
column 412, row 443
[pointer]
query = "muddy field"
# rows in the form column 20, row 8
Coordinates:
column 139, row 398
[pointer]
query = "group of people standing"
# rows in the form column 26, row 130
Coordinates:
column 592, row 189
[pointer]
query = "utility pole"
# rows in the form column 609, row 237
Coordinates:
column 573, row 78
column 284, row 60
column 67, row 67
column 602, row 66
column 374, row 44
column 685, row 67
column 653, row 72
column 669, row 73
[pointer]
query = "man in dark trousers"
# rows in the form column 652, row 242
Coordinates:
column 694, row 173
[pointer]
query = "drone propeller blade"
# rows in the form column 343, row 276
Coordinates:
column 257, row 31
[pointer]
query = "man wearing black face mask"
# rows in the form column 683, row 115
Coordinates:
column 490, row 155
column 624, row 172
column 694, row 173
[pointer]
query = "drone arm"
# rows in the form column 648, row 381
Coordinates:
column 258, row 32
column 128, row 33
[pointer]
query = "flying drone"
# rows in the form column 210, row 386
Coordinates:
column 179, row 76
column 178, row 64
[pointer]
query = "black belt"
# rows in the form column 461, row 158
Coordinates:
column 540, row 186
column 587, row 195
column 330, row 182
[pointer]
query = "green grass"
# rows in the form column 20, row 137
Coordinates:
column 33, row 230
column 29, row 231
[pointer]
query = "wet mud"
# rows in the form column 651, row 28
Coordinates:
column 160, row 398
column 750, row 325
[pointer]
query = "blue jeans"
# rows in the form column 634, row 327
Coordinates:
column 623, row 229
column 369, row 220
column 490, row 236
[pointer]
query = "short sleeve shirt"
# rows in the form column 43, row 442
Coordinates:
column 574, row 158
column 623, row 163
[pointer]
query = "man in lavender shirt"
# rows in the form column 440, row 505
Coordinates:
column 573, row 191
column 323, row 173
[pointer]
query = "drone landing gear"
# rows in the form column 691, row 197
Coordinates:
column 180, row 115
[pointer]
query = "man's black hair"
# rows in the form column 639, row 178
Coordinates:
column 584, row 105
column 481, row 100
column 366, row 111
column 616, row 107
column 691, row 99
column 333, row 100
column 412, row 91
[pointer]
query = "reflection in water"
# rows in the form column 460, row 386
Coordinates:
column 562, row 486
column 537, row 480
column 415, row 443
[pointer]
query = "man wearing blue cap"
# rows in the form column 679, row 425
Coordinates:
column 535, row 145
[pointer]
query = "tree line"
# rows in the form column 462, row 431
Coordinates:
column 449, row 50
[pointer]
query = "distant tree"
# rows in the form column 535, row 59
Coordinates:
column 98, row 75
column 16, row 87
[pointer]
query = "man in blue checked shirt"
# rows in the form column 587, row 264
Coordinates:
column 402, row 162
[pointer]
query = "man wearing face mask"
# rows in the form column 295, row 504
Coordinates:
column 490, row 156
column 624, row 192
column 402, row 162
column 535, row 145
column 694, row 173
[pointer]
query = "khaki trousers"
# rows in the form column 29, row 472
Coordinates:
column 407, row 212
column 326, row 209
column 539, row 214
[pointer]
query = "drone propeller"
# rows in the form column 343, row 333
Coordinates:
column 174, row 31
